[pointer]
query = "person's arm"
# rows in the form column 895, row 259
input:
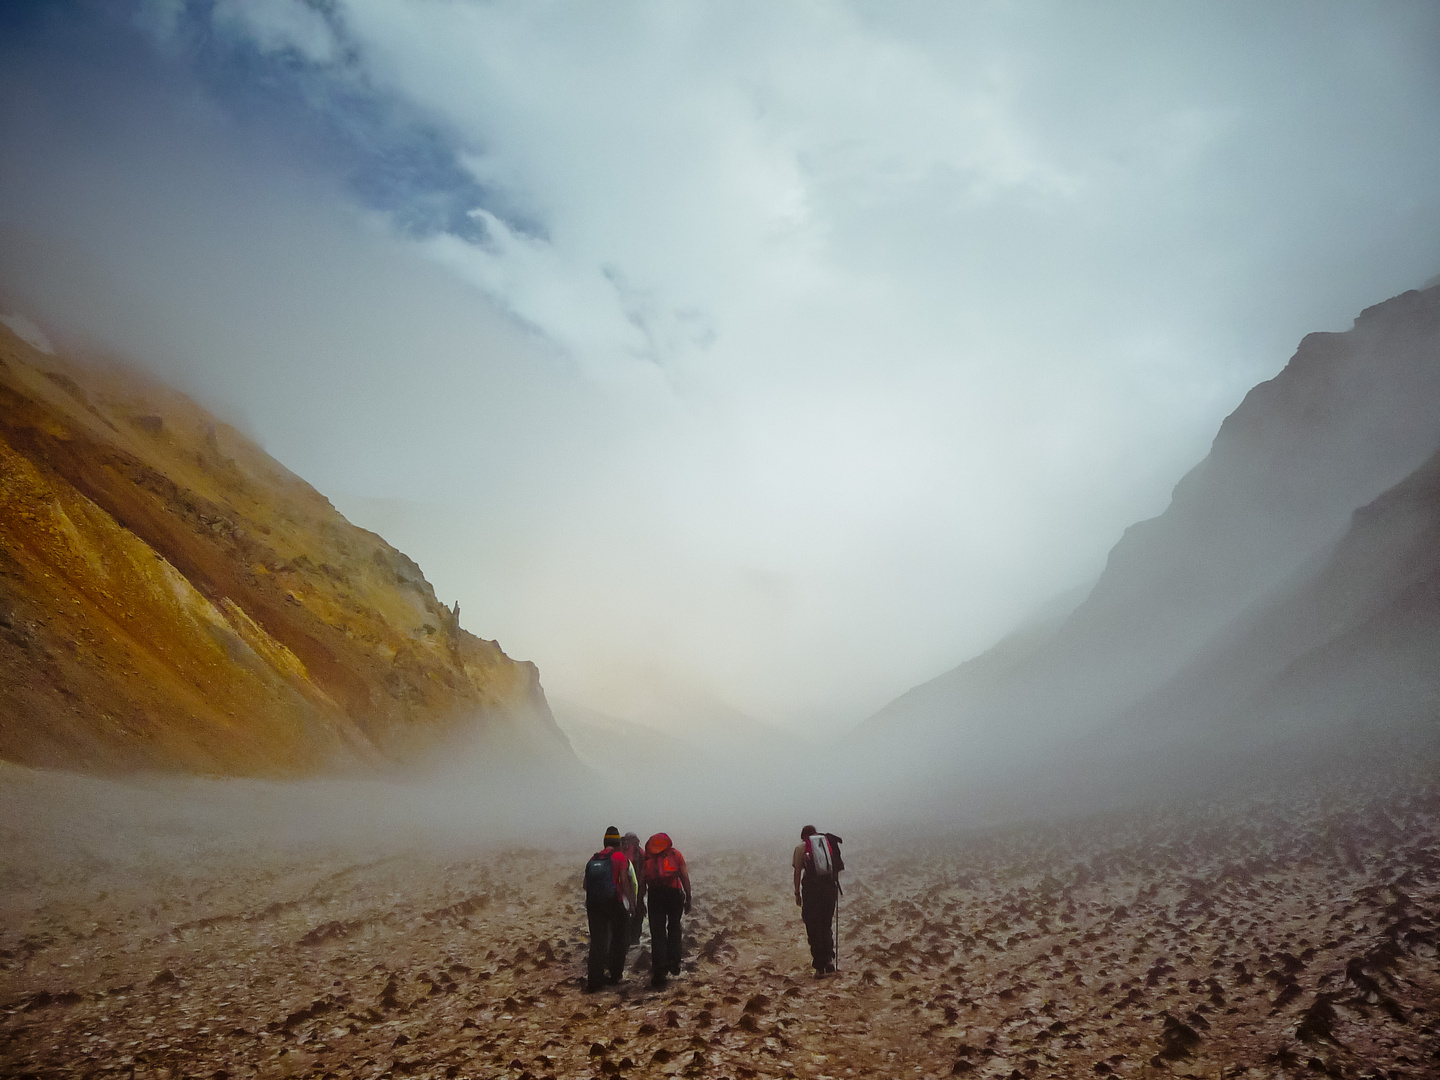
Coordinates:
column 797, row 882
column 685, row 880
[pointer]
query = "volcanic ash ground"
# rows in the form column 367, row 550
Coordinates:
column 1290, row 936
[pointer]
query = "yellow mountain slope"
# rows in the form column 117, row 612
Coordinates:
column 171, row 597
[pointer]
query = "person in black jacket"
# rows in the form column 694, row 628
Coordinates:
column 609, row 900
column 816, row 893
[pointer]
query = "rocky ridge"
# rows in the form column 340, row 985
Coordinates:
column 173, row 598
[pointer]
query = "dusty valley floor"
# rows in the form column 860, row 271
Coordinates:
column 1284, row 936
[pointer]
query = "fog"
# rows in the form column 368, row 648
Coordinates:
column 1003, row 435
column 751, row 370
column 754, row 363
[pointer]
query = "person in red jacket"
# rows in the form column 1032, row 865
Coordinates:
column 665, row 889
column 610, row 897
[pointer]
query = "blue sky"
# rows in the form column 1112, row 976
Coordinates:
column 748, row 356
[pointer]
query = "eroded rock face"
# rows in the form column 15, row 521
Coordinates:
column 1260, row 936
column 171, row 597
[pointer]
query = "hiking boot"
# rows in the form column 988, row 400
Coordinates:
column 675, row 969
column 658, row 982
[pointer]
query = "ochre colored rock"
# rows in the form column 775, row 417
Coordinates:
column 172, row 598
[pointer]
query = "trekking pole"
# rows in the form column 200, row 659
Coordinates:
column 837, row 933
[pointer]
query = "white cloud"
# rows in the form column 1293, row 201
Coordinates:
column 280, row 25
column 859, row 330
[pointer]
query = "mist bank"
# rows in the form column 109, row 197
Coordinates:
column 1286, row 601
column 1281, row 616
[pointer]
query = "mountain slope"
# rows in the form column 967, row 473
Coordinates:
column 172, row 598
column 1354, row 642
column 1349, row 417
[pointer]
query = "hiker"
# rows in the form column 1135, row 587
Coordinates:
column 817, row 866
column 630, row 845
column 665, row 888
column 610, row 897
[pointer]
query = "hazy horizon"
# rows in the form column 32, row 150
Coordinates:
column 743, row 361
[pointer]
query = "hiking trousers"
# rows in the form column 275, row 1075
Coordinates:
column 609, row 938
column 817, row 907
column 666, row 907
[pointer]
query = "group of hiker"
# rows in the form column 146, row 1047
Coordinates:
column 624, row 881
column 617, row 896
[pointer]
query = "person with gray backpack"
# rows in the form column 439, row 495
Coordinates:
column 817, row 864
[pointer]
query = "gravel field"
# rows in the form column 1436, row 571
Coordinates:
column 1293, row 935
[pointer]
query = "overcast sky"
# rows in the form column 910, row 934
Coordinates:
column 766, row 357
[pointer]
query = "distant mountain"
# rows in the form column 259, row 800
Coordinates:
column 173, row 598
column 707, row 772
column 678, row 735
column 1351, row 416
column 984, row 682
column 1351, row 644
column 620, row 750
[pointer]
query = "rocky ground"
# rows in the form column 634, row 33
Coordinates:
column 1286, row 936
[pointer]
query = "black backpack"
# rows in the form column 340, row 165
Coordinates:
column 835, row 843
column 600, row 879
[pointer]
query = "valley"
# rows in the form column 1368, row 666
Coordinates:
column 1288, row 933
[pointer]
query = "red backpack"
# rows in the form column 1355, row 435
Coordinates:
column 666, row 866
